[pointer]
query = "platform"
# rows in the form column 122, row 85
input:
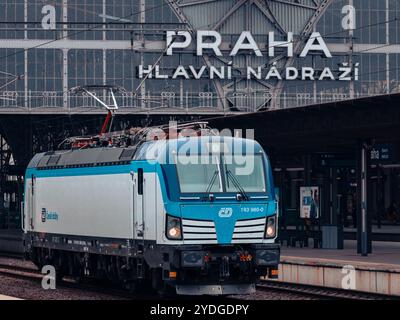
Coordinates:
column 11, row 241
column 379, row 272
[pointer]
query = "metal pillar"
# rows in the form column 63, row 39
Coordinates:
column 364, row 245
column 65, row 54
column 380, row 195
column 308, row 182
column 307, row 170
column 333, row 191
column 142, row 6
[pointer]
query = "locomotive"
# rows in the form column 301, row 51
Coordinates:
column 195, row 213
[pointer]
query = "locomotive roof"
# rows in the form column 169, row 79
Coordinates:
column 119, row 155
column 198, row 145
column 82, row 157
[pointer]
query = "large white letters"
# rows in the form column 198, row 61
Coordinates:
column 172, row 43
column 273, row 44
column 250, row 45
column 201, row 45
column 211, row 40
column 319, row 46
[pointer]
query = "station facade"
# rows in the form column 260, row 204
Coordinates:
column 47, row 48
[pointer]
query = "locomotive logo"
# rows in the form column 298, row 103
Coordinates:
column 48, row 215
column 44, row 214
column 225, row 212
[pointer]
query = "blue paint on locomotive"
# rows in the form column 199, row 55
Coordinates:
column 163, row 164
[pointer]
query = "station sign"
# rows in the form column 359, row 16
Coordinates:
column 381, row 153
column 209, row 42
column 212, row 44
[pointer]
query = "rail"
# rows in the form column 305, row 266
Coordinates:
column 321, row 292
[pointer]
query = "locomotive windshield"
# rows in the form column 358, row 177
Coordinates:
column 198, row 174
column 246, row 172
column 226, row 173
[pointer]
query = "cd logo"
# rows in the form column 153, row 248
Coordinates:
column 225, row 212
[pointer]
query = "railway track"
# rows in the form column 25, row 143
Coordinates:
column 19, row 272
column 322, row 293
column 308, row 292
column 33, row 275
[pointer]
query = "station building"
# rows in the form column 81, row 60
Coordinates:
column 47, row 48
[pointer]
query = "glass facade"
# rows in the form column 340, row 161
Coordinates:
column 46, row 48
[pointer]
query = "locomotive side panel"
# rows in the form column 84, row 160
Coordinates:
column 86, row 205
column 150, row 201
column 161, row 217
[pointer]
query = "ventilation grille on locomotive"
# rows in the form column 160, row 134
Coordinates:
column 195, row 231
column 249, row 231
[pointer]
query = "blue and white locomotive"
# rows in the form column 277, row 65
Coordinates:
column 197, row 214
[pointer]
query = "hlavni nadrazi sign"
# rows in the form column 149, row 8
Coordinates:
column 210, row 41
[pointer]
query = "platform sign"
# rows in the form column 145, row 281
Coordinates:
column 381, row 153
column 310, row 202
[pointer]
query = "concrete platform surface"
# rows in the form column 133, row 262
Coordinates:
column 379, row 272
column 383, row 253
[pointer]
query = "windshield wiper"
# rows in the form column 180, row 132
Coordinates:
column 213, row 178
column 236, row 183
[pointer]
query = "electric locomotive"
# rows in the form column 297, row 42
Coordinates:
column 194, row 213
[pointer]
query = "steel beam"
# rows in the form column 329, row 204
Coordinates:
column 296, row 4
column 145, row 46
column 320, row 10
column 235, row 7
column 264, row 8
column 218, row 86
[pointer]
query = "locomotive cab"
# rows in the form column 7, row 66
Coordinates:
column 220, row 218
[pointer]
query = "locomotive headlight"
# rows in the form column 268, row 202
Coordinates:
column 270, row 229
column 174, row 230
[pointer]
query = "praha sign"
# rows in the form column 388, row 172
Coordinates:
column 209, row 42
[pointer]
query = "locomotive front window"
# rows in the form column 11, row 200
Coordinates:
column 226, row 173
column 198, row 174
column 244, row 171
